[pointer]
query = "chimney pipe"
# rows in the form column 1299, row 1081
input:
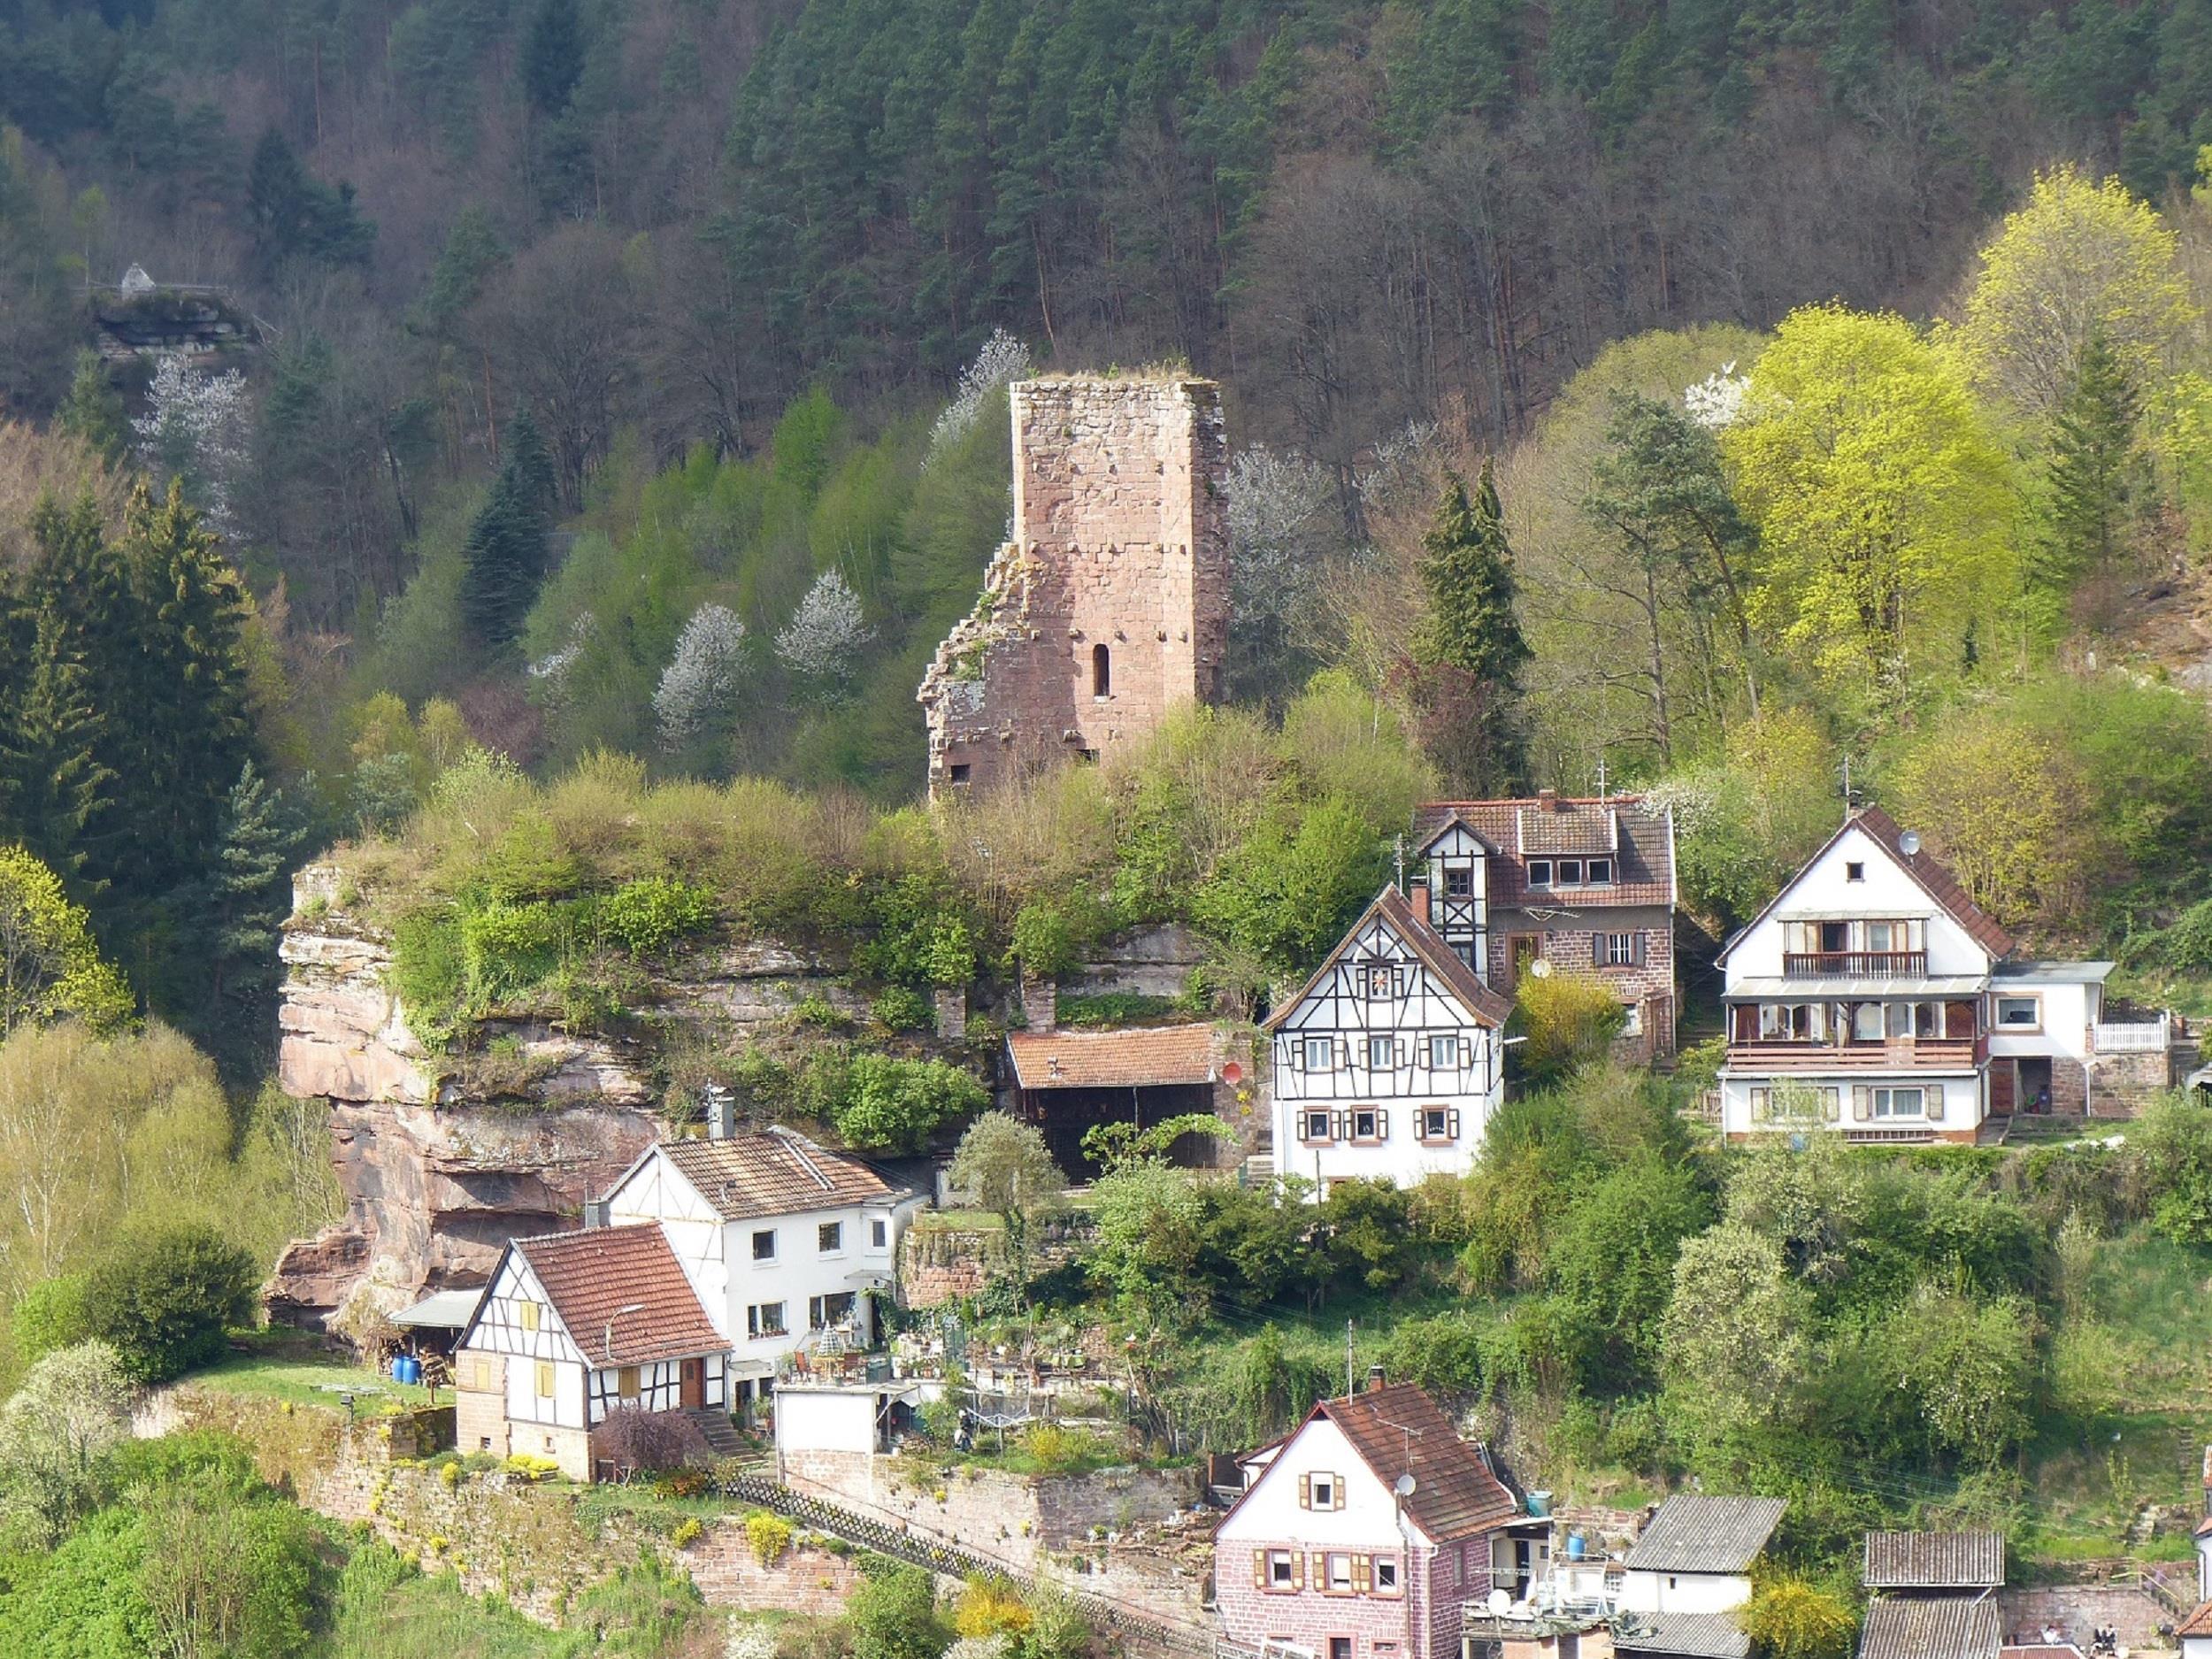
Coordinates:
column 1419, row 895
column 1375, row 1381
column 721, row 1112
column 595, row 1212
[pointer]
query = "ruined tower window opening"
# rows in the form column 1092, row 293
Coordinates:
column 1101, row 673
column 961, row 770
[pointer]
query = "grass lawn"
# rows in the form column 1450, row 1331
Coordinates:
column 291, row 1365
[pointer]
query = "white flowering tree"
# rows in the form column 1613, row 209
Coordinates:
column 1717, row 402
column 821, row 641
column 1003, row 358
column 195, row 427
column 551, row 670
column 702, row 678
column 1284, row 527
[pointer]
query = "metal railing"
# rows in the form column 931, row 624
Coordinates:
column 1856, row 964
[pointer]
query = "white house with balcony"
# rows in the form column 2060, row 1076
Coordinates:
column 1874, row 998
column 785, row 1241
column 1387, row 1063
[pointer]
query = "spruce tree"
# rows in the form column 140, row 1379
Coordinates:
column 552, row 55
column 93, row 410
column 246, row 897
column 1469, row 645
column 2095, row 470
column 55, row 785
column 504, row 555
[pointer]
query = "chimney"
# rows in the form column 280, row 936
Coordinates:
column 1547, row 800
column 1419, row 893
column 595, row 1212
column 1040, row 1002
column 721, row 1112
column 1375, row 1382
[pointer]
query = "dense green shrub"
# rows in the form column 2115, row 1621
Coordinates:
column 646, row 916
column 51, row 1315
column 900, row 1008
column 165, row 1298
column 2172, row 1144
column 893, row 1615
column 889, row 1104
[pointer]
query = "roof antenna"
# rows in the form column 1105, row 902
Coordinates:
column 1399, row 856
column 1601, row 795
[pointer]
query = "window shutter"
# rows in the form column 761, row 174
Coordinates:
column 1305, row 1492
column 1382, row 1128
column 1832, row 1099
column 1296, row 1060
column 1451, row 1123
column 1259, row 1569
column 1642, row 941
column 1759, row 1106
column 1362, row 1574
column 1341, row 1048
column 1934, row 1098
column 1862, row 1104
column 1297, row 1569
column 1337, row 1128
column 1337, row 1488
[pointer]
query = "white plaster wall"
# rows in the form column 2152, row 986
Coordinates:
column 1823, row 890
column 823, row 1420
column 1269, row 1517
column 1963, row 1100
column 1684, row 1591
column 2066, row 1019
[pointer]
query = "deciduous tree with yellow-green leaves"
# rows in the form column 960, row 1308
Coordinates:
column 1882, row 498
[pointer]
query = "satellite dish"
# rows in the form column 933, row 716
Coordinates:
column 1909, row 843
column 1540, row 969
column 1497, row 1602
column 1403, row 1485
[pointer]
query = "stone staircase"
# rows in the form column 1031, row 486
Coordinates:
column 715, row 1427
column 1140, row 1635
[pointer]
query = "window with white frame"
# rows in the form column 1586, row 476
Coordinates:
column 1899, row 1103
column 2019, row 1013
column 1566, row 872
column 1459, row 881
column 1598, row 873
column 1866, row 1022
column 1444, row 1052
column 1385, row 1574
column 1439, row 1123
column 829, row 1238
column 1620, row 950
column 765, row 1245
column 1321, row 1490
column 1280, row 1572
column 1377, row 980
column 1540, row 872
column 1320, row 1053
column 764, row 1318
column 879, row 1235
column 1382, row 1053
column 1632, row 1019
column 1339, row 1572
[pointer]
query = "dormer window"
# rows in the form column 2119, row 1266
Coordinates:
column 1567, row 874
column 1540, row 872
column 1599, row 873
column 1459, row 882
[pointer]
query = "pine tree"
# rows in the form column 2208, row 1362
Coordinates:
column 246, row 896
column 552, row 55
column 93, row 410
column 504, row 555
column 56, row 786
column 1469, row 645
column 2096, row 470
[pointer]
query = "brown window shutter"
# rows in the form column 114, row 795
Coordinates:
column 1832, row 1100
column 1451, row 1123
column 1862, row 1104
column 1305, row 1492
column 1259, row 1569
column 1382, row 1133
column 1935, row 1102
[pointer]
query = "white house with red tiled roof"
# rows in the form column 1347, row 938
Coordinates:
column 1873, row 997
column 782, row 1239
column 1365, row 1535
column 575, row 1326
column 1387, row 1063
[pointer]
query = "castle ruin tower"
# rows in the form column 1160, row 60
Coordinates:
column 1110, row 605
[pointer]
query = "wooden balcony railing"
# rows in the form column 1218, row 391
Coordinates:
column 1925, row 1053
column 1856, row 964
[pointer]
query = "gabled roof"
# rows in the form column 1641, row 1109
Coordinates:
column 620, row 1295
column 1150, row 1057
column 1397, row 1430
column 1934, row 1561
column 2197, row 1624
column 1451, row 819
column 1639, row 835
column 1695, row 1534
column 1933, row 878
column 1693, row 1635
column 771, row 1171
column 1930, row 1627
column 1487, row 1006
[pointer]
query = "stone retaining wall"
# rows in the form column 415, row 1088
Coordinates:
column 2076, row 1609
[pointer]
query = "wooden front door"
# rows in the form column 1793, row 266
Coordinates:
column 694, row 1383
column 2001, row 1092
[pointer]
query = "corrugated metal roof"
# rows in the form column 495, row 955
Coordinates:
column 1696, row 1533
column 1934, row 1561
column 1398, row 1431
column 1930, row 1627
column 441, row 1310
column 773, row 1171
column 1150, row 1057
column 1697, row 1635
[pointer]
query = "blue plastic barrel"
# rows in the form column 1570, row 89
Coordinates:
column 1575, row 1547
column 407, row 1369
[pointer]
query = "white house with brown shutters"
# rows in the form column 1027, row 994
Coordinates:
column 1386, row 1063
column 1874, row 998
column 573, row 1327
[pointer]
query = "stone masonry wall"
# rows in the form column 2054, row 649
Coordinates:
column 1120, row 544
column 2077, row 1609
column 1013, row 1517
column 2121, row 1085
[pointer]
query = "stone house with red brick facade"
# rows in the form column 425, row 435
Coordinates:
column 1363, row 1535
column 1554, row 885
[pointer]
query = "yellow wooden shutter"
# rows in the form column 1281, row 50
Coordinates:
column 1362, row 1574
column 1305, row 1492
column 1297, row 1569
column 1336, row 1490
column 545, row 1379
column 1259, row 1569
column 529, row 1312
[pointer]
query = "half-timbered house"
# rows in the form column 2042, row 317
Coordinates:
column 1586, row 888
column 573, row 1327
column 784, row 1240
column 1386, row 1061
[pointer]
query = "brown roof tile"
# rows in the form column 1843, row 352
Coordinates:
column 1934, row 1561
column 1941, row 884
column 1626, row 825
column 1149, row 1057
column 773, row 1171
column 1424, row 942
column 2199, row 1623
column 1398, row 1429
column 621, row 1295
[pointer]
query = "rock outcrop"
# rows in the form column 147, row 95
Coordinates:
column 442, row 1160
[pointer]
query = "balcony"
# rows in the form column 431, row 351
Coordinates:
column 2147, row 1036
column 1856, row 965
column 1925, row 1053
